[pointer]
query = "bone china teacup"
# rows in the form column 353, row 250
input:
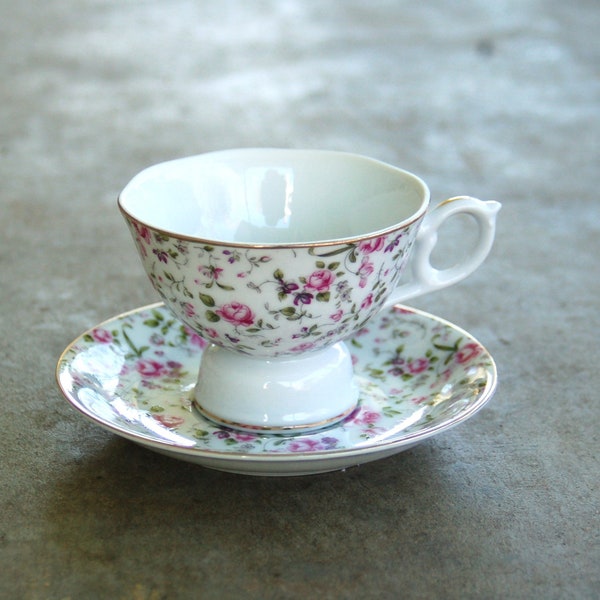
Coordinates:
column 275, row 257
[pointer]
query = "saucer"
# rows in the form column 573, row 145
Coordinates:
column 418, row 375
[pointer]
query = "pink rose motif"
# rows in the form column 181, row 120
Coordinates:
column 366, row 268
column 419, row 399
column 198, row 341
column 211, row 272
column 320, row 281
column 366, row 417
column 169, row 421
column 467, row 353
column 244, row 437
column 366, row 303
column 195, row 339
column 306, row 445
column 305, row 347
column 150, row 368
column 189, row 309
column 143, row 233
column 370, row 246
column 418, row 365
column 337, row 315
column 102, row 336
column 174, row 365
column 236, row 313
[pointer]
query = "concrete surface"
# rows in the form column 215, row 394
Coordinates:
column 498, row 99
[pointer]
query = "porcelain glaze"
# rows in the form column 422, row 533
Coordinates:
column 278, row 254
column 287, row 394
column 417, row 375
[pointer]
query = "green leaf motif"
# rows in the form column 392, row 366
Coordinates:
column 151, row 323
column 376, row 373
column 278, row 274
column 390, row 412
column 323, row 296
column 288, row 311
column 165, row 328
column 444, row 348
column 207, row 300
column 212, row 316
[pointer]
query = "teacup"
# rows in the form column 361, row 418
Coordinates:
column 275, row 257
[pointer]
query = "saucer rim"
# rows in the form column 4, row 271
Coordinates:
column 363, row 450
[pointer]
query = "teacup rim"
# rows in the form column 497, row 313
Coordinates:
column 347, row 240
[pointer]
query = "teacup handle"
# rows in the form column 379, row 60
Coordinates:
column 425, row 277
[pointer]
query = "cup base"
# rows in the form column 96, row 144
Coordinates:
column 276, row 396
column 272, row 430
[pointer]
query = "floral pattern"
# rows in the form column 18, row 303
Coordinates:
column 274, row 301
column 135, row 373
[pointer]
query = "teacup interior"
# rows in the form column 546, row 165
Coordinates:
column 270, row 196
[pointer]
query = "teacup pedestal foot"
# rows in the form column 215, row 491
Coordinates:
column 276, row 395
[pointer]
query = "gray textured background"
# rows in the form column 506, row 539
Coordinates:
column 498, row 99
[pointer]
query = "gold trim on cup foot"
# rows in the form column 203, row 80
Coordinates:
column 276, row 430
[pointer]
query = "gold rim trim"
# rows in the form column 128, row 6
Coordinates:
column 283, row 245
column 268, row 429
column 453, row 199
column 352, row 239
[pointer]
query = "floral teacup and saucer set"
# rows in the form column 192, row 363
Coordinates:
column 280, row 346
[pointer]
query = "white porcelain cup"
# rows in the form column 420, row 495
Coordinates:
column 275, row 257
